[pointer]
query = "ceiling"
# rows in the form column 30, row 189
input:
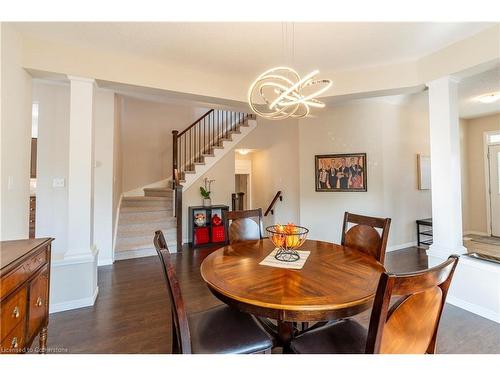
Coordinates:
column 249, row 48
column 471, row 87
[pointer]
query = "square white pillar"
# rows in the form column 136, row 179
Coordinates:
column 81, row 150
column 445, row 168
column 74, row 275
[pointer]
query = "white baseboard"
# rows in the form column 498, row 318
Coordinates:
column 74, row 304
column 401, row 246
column 473, row 308
column 477, row 233
column 104, row 262
column 131, row 254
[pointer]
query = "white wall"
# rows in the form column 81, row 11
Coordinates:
column 52, row 162
column 392, row 135
column 15, row 93
column 146, row 139
column 104, row 128
column 53, row 151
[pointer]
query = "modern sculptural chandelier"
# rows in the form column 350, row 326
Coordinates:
column 279, row 93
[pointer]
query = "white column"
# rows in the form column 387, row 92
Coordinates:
column 80, row 181
column 74, row 275
column 445, row 168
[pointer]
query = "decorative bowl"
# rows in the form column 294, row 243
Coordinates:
column 287, row 238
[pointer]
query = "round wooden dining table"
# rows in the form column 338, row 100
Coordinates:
column 335, row 282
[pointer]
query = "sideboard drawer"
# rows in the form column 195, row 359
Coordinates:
column 24, row 297
column 23, row 272
column 13, row 311
column 38, row 303
column 14, row 341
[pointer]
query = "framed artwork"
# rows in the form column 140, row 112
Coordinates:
column 424, row 172
column 340, row 172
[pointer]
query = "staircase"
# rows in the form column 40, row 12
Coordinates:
column 195, row 151
column 139, row 218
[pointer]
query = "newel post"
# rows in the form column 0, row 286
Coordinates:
column 178, row 214
column 175, row 134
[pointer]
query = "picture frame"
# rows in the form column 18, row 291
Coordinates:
column 341, row 172
column 424, row 172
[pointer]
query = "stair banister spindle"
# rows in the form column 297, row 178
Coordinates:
column 174, row 152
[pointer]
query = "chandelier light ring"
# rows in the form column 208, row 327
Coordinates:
column 294, row 88
column 278, row 93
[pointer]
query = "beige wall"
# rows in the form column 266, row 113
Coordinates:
column 473, row 169
column 52, row 56
column 223, row 174
column 15, row 93
column 117, row 162
column 275, row 166
column 392, row 135
column 146, row 139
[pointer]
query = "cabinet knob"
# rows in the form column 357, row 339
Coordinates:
column 14, row 343
column 39, row 301
column 15, row 312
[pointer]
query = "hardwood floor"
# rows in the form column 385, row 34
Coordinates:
column 131, row 317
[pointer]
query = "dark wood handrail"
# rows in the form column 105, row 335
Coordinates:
column 270, row 209
column 194, row 123
column 193, row 144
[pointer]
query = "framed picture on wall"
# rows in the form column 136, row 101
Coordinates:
column 424, row 172
column 340, row 172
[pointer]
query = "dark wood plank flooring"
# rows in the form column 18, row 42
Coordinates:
column 131, row 314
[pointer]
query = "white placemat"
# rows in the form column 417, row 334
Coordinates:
column 271, row 261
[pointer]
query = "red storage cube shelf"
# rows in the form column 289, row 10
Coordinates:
column 201, row 236
column 218, row 233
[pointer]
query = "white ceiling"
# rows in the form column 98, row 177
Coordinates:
column 248, row 48
column 471, row 87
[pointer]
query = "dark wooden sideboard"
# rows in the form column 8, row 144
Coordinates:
column 24, row 294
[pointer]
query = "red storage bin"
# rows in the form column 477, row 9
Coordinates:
column 201, row 236
column 218, row 233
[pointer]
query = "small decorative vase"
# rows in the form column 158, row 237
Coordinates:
column 207, row 202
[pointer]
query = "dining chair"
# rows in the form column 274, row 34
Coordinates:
column 243, row 225
column 219, row 330
column 409, row 326
column 363, row 235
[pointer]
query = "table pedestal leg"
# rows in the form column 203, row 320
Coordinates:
column 286, row 331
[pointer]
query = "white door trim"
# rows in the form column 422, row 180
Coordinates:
column 486, row 145
column 244, row 166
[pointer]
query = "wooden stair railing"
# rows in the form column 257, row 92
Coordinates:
column 270, row 209
column 190, row 146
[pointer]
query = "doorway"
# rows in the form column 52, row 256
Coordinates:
column 241, row 184
column 494, row 187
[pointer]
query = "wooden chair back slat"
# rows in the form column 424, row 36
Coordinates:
column 243, row 225
column 364, row 237
column 181, row 337
column 410, row 325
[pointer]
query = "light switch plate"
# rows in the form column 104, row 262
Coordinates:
column 10, row 183
column 58, row 182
